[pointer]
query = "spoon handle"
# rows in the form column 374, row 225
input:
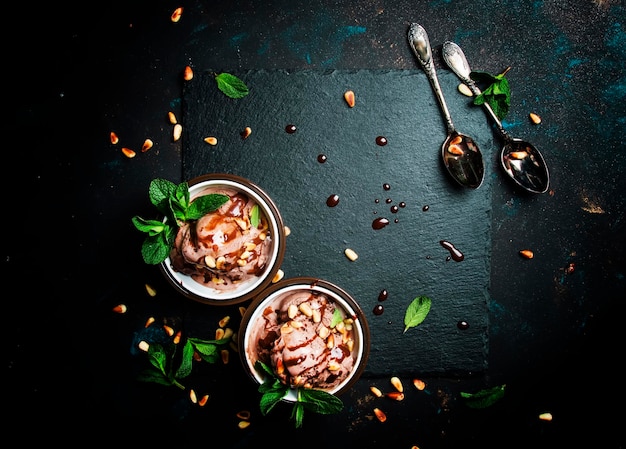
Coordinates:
column 456, row 60
column 419, row 43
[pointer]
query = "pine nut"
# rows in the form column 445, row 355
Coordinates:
column 351, row 254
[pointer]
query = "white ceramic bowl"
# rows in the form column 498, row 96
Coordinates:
column 269, row 298
column 246, row 289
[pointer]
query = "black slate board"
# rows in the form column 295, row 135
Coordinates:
column 405, row 258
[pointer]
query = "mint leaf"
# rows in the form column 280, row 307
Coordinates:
column 270, row 399
column 254, row 216
column 484, row 398
column 205, row 204
column 497, row 93
column 160, row 191
column 297, row 414
column 336, row 319
column 319, row 401
column 231, row 86
column 155, row 249
column 173, row 201
column 186, row 361
column 152, row 227
column 416, row 312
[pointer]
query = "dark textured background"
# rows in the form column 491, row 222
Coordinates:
column 77, row 72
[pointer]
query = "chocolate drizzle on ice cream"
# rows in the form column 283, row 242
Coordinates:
column 224, row 247
column 307, row 340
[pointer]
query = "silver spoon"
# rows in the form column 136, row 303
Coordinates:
column 459, row 152
column 521, row 160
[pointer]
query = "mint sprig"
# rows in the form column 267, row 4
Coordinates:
column 484, row 398
column 497, row 93
column 173, row 201
column 273, row 391
column 169, row 368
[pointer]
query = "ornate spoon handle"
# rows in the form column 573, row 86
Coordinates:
column 456, row 60
column 418, row 40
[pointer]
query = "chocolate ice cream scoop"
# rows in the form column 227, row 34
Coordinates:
column 310, row 332
column 224, row 247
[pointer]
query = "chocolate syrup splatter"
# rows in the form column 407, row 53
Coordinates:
column 378, row 309
column 321, row 158
column 379, row 223
column 290, row 129
column 456, row 255
column 381, row 141
column 463, row 325
column 332, row 200
column 383, row 295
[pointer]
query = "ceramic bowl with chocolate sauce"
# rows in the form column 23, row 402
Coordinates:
column 231, row 254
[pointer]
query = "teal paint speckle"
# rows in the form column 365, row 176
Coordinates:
column 264, row 48
column 511, row 207
column 440, row 3
column 615, row 40
column 319, row 41
column 236, row 40
column 561, row 45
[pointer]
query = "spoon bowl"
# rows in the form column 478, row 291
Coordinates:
column 521, row 160
column 460, row 154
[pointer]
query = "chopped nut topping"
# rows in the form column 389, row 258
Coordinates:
column 202, row 402
column 151, row 291
column 395, row 395
column 306, row 309
column 246, row 132
column 545, row 416
column 177, row 132
column 120, row 308
column 376, row 392
column 350, row 98
column 351, row 254
column 225, row 356
column 224, row 321
column 527, row 254
column 147, row 144
column 188, row 73
column 178, row 12
column 128, row 153
column 534, row 118
column 397, row 384
column 380, row 415
column 465, row 90
column 519, row 154
column 278, row 276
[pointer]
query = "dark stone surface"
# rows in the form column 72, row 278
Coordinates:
column 81, row 72
column 406, row 257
